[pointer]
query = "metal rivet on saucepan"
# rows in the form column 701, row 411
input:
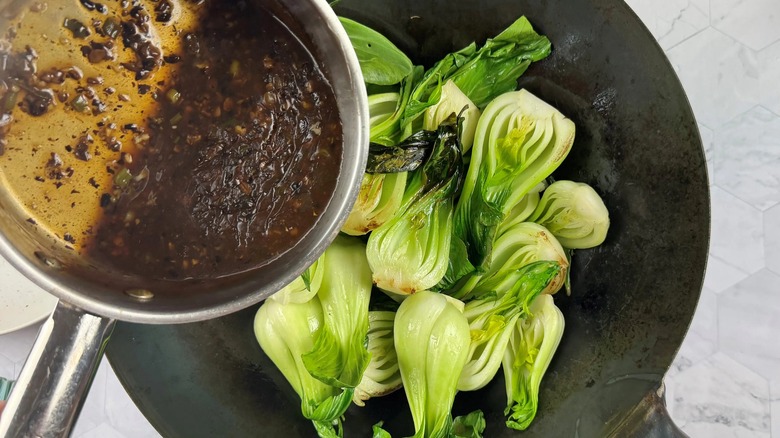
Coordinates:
column 48, row 261
column 140, row 294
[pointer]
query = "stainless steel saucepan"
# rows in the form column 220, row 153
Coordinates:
column 52, row 386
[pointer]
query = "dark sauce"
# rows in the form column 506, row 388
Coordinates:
column 239, row 161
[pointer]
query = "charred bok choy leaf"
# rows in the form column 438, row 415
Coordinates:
column 531, row 348
column 520, row 141
column 410, row 153
column 481, row 74
column 403, row 157
column 432, row 343
column 492, row 319
column 574, row 213
column 287, row 331
column 410, row 252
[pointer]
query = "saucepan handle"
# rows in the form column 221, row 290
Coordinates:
column 649, row 419
column 53, row 384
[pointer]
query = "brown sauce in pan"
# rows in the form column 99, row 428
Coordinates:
column 231, row 163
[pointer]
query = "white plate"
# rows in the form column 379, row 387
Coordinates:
column 21, row 302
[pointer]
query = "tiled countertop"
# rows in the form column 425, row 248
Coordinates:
column 725, row 381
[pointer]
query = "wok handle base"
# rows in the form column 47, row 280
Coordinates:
column 56, row 377
column 649, row 419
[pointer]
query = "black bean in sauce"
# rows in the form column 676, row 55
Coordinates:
column 94, row 6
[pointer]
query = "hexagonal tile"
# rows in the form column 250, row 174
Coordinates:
column 104, row 430
column 737, row 232
column 719, row 75
column 122, row 413
column 746, row 157
column 755, row 23
column 769, row 65
column 772, row 238
column 748, row 323
column 16, row 345
column 718, row 397
column 672, row 21
column 721, row 275
column 702, row 338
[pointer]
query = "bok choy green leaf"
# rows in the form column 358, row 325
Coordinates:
column 481, row 74
column 303, row 288
column 471, row 425
column 381, row 62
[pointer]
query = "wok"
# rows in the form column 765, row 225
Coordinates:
column 632, row 298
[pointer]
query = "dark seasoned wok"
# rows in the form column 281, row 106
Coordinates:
column 633, row 297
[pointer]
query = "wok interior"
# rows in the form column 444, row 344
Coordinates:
column 632, row 298
column 94, row 287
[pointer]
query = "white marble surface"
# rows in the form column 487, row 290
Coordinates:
column 725, row 381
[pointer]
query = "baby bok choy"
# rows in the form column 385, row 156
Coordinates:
column 432, row 342
column 520, row 245
column 410, row 252
column 287, row 331
column 339, row 356
column 492, row 319
column 574, row 213
column 314, row 330
column 531, row 348
column 520, row 141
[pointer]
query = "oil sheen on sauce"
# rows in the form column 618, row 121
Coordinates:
column 229, row 157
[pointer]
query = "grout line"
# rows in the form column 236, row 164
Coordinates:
column 735, row 196
column 776, row 114
column 666, row 51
